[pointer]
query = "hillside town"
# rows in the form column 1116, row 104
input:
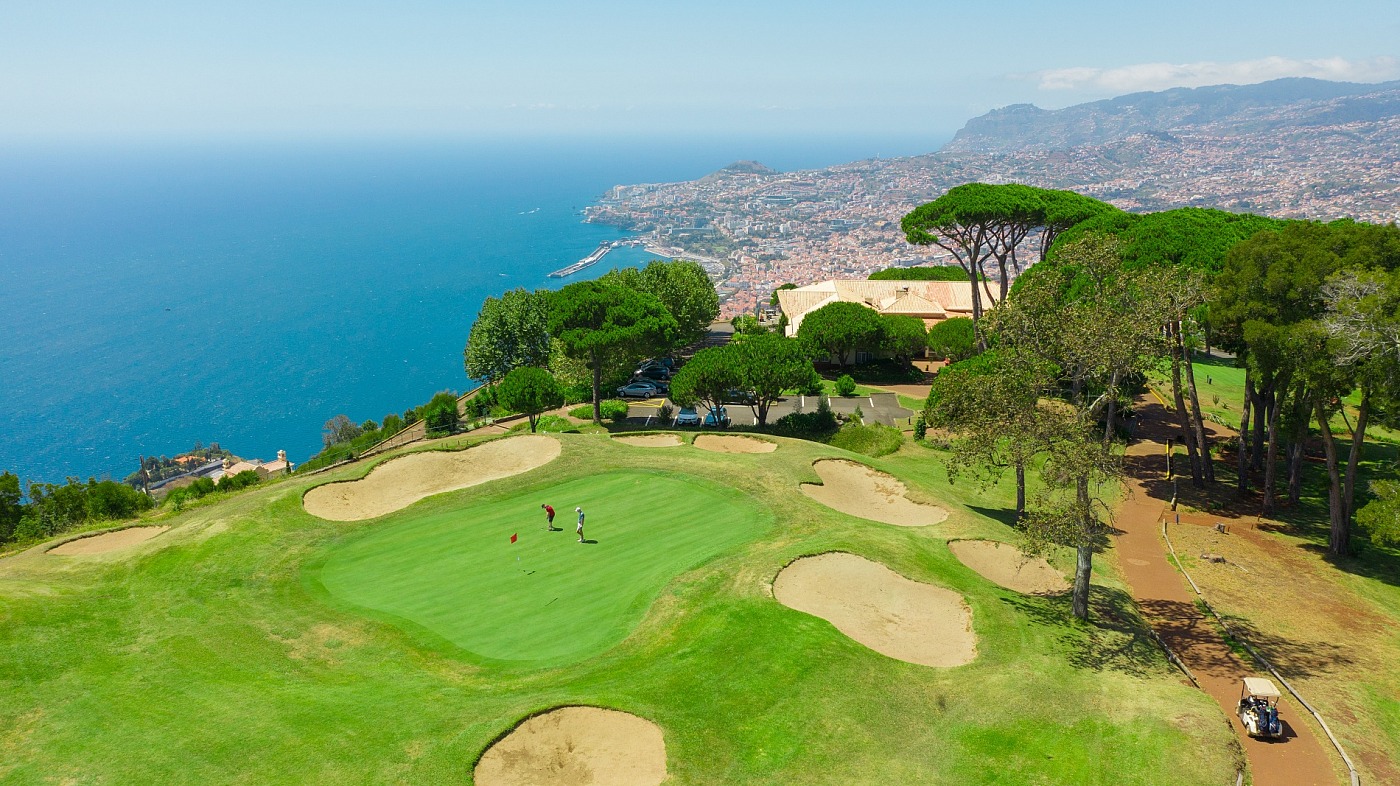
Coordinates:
column 767, row 228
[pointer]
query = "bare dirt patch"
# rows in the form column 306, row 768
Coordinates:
column 858, row 490
column 400, row 482
column 717, row 443
column 111, row 541
column 1008, row 566
column 577, row 746
column 904, row 619
column 652, row 440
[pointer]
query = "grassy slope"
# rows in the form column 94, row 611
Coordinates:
column 214, row 658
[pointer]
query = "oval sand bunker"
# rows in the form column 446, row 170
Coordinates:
column 651, row 440
column 576, row 746
column 716, row 443
column 858, row 490
column 400, row 482
column 904, row 619
column 99, row 544
column 1008, row 566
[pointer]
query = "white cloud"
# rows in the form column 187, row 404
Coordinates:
column 1160, row 76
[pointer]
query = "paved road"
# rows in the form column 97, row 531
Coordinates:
column 1170, row 606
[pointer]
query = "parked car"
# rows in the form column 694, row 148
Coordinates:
column 638, row 390
column 654, row 373
column 717, row 418
column 737, row 396
column 687, row 417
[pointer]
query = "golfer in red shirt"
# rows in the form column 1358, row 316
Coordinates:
column 549, row 514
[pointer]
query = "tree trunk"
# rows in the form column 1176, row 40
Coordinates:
column 1340, row 536
column 1084, row 554
column 597, row 389
column 1242, row 460
column 534, row 419
column 1207, row 466
column 1112, row 393
column 1182, row 418
column 1262, row 395
column 976, row 307
column 1020, row 488
column 1297, row 445
column 1083, row 566
column 1271, row 457
column 1358, row 445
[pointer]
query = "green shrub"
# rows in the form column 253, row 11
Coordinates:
column 953, row 339
column 920, row 429
column 613, row 409
column 845, row 386
column 665, row 412
column 817, row 426
column 440, row 416
column 874, row 439
column 550, row 423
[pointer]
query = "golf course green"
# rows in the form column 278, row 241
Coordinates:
column 545, row 597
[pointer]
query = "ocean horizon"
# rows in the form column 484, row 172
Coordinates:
column 154, row 296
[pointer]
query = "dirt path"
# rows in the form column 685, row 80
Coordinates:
column 1170, row 606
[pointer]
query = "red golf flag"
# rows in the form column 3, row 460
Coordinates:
column 513, row 537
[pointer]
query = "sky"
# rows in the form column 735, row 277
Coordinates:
column 254, row 70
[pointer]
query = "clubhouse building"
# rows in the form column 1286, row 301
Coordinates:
column 931, row 301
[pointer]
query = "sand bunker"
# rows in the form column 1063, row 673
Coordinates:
column 861, row 491
column 1004, row 564
column 721, row 444
column 906, row 620
column 652, row 440
column 111, row 541
column 398, row 483
column 577, row 746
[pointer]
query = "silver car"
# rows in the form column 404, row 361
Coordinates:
column 637, row 390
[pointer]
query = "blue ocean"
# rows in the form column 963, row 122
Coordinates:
column 155, row 296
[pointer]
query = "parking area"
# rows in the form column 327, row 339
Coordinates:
column 878, row 408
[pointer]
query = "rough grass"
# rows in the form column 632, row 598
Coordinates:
column 872, row 439
column 216, row 656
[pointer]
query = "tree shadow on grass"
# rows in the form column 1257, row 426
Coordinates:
column 1006, row 516
column 1114, row 639
column 1294, row 658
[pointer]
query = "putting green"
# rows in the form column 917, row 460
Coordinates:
column 546, row 597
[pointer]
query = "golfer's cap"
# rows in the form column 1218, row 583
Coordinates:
column 580, row 510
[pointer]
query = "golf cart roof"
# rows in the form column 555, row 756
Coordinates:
column 1259, row 686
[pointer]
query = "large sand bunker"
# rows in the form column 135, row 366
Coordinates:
column 904, row 619
column 724, row 444
column 860, row 491
column 398, row 483
column 652, row 440
column 577, row 746
column 1004, row 564
column 110, row 541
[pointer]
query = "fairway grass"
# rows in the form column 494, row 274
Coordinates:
column 546, row 597
column 214, row 654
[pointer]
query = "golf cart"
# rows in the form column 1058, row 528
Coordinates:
column 1258, row 708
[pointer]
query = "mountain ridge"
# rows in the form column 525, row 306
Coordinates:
column 1227, row 109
